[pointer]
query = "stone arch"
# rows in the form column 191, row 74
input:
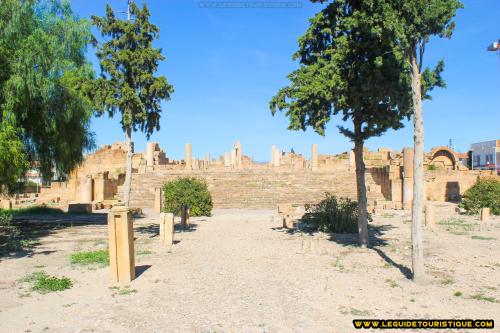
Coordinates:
column 444, row 156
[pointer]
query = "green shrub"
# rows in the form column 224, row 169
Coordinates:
column 100, row 257
column 485, row 193
column 187, row 191
column 332, row 214
column 432, row 167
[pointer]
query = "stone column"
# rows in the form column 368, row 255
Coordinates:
column 407, row 178
column 277, row 156
column 121, row 245
column 188, row 156
column 99, row 186
column 227, row 159
column 86, row 189
column 167, row 230
column 238, row 153
column 233, row 157
column 150, row 151
column 158, row 200
column 485, row 214
column 314, row 157
column 430, row 217
column 352, row 160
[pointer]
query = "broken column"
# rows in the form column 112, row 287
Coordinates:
column 188, row 156
column 276, row 154
column 485, row 214
column 86, row 189
column 429, row 214
column 185, row 216
column 238, row 154
column 273, row 154
column 121, row 245
column 150, row 153
column 158, row 200
column 314, row 157
column 407, row 178
column 167, row 230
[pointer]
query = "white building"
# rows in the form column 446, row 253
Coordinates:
column 486, row 155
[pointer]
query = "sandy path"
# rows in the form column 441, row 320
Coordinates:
column 237, row 272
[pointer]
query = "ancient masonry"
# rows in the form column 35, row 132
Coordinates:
column 236, row 181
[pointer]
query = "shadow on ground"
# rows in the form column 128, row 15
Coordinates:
column 27, row 230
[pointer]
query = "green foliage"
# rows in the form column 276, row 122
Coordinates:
column 485, row 193
column 44, row 283
column 44, row 109
column 100, row 257
column 332, row 214
column 432, row 167
column 10, row 234
column 128, row 63
column 187, row 191
column 351, row 64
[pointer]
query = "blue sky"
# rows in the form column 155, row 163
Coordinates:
column 226, row 64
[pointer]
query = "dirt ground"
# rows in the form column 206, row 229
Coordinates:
column 239, row 271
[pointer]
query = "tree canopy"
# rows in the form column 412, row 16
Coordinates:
column 128, row 63
column 44, row 110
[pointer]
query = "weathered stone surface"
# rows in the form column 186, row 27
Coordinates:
column 121, row 245
column 430, row 216
column 485, row 214
column 167, row 230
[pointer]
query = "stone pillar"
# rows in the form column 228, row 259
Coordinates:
column 233, row 157
column 407, row 178
column 184, row 217
column 167, row 230
column 314, row 157
column 485, row 214
column 86, row 189
column 238, row 154
column 352, row 160
column 276, row 158
column 430, row 217
column 188, row 156
column 99, row 186
column 227, row 159
column 150, row 153
column 121, row 245
column 158, row 200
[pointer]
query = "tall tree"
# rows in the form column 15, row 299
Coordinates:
column 351, row 65
column 127, row 83
column 44, row 110
column 419, row 20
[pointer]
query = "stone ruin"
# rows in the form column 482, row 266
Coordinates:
column 236, row 181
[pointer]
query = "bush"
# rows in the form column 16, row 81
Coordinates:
column 187, row 191
column 485, row 193
column 332, row 214
column 44, row 283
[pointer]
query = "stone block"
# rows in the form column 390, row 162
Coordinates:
column 485, row 214
column 80, row 208
column 121, row 245
column 158, row 200
column 167, row 230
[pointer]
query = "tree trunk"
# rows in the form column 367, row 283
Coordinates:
column 361, row 189
column 128, row 173
column 418, row 174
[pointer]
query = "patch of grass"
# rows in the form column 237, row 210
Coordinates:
column 122, row 290
column 338, row 264
column 482, row 297
column 412, row 300
column 143, row 253
column 392, row 283
column 457, row 293
column 100, row 257
column 447, row 280
column 456, row 226
column 482, row 238
column 388, row 215
column 43, row 283
column 356, row 312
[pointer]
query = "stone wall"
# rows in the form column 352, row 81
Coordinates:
column 264, row 188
